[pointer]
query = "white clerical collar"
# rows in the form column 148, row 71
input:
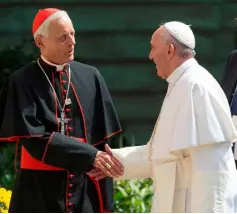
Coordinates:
column 58, row 67
column 177, row 72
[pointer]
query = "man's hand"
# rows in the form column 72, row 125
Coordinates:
column 106, row 165
column 97, row 174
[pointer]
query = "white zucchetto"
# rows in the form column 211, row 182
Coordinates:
column 181, row 32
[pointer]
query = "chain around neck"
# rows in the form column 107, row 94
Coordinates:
column 68, row 87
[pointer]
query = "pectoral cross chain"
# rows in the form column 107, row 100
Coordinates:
column 63, row 121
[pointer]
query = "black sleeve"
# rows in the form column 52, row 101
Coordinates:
column 18, row 110
column 230, row 75
column 229, row 80
column 61, row 151
column 19, row 120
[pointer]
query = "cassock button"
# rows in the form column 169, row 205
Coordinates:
column 70, row 204
column 69, row 128
column 65, row 91
column 67, row 109
column 70, row 185
column 69, row 194
column 71, row 176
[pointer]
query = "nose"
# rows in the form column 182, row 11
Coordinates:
column 72, row 40
column 150, row 55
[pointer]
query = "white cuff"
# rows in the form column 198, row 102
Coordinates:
column 135, row 160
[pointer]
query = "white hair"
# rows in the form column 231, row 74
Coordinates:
column 182, row 50
column 43, row 29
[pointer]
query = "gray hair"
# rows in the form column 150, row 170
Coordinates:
column 43, row 29
column 182, row 50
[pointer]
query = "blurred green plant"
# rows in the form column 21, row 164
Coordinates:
column 7, row 170
column 11, row 59
column 133, row 196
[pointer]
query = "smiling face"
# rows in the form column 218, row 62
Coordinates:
column 161, row 52
column 58, row 45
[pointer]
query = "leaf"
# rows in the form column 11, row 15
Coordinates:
column 134, row 187
column 118, row 196
column 123, row 191
column 139, row 196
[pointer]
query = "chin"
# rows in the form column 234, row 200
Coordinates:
column 160, row 75
column 71, row 58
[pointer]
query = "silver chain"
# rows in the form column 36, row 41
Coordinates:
column 68, row 87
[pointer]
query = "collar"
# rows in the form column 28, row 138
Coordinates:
column 58, row 67
column 178, row 71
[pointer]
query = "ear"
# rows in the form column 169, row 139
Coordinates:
column 171, row 51
column 39, row 41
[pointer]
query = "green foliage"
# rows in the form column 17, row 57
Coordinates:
column 7, row 170
column 133, row 196
column 12, row 58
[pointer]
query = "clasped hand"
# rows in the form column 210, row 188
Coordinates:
column 106, row 164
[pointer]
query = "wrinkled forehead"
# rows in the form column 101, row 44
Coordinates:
column 153, row 40
column 158, row 36
column 60, row 25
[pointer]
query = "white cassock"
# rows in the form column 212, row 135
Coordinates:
column 189, row 155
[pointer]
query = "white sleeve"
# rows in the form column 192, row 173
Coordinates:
column 135, row 160
column 211, row 179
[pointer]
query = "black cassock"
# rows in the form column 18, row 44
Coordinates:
column 52, row 175
column 229, row 82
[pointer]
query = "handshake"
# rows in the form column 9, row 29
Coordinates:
column 106, row 165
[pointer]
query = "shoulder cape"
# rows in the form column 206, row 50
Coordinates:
column 19, row 97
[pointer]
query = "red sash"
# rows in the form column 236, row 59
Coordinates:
column 29, row 162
